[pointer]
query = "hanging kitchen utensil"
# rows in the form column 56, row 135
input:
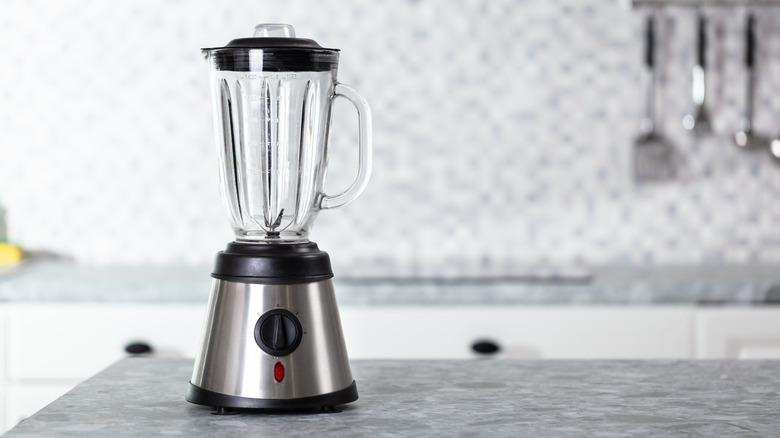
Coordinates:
column 698, row 120
column 774, row 148
column 746, row 137
column 654, row 157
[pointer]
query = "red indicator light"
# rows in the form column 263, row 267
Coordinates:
column 278, row 372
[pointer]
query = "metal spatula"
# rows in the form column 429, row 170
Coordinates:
column 654, row 157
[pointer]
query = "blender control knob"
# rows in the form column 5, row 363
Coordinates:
column 278, row 332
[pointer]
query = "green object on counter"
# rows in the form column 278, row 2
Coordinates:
column 10, row 255
column 3, row 226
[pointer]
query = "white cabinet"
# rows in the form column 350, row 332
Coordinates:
column 50, row 348
column 3, row 384
column 27, row 399
column 440, row 332
column 738, row 333
column 75, row 341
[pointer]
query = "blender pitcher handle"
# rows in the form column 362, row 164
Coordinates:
column 364, row 149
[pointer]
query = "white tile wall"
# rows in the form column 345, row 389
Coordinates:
column 503, row 133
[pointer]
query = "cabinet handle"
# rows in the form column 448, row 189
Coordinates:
column 773, row 295
column 485, row 347
column 138, row 348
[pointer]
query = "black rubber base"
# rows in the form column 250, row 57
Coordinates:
column 205, row 397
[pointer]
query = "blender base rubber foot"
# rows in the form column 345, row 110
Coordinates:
column 220, row 410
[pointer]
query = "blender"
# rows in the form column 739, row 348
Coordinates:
column 272, row 336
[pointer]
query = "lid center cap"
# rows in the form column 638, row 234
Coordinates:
column 272, row 30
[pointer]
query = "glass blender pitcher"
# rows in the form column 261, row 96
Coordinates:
column 272, row 337
column 272, row 97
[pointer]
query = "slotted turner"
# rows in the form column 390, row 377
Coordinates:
column 654, row 156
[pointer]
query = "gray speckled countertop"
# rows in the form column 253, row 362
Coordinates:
column 145, row 397
column 743, row 285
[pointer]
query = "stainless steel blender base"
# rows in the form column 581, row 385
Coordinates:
column 234, row 368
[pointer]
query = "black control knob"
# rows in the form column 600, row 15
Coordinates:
column 278, row 332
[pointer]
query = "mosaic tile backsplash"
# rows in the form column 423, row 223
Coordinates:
column 503, row 134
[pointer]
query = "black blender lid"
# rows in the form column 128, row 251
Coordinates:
column 273, row 36
column 281, row 51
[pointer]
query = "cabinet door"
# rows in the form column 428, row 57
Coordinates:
column 4, row 422
column 25, row 400
column 738, row 333
column 73, row 342
column 440, row 332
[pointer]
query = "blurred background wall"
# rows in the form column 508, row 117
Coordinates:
column 503, row 133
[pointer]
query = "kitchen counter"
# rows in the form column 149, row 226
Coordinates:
column 145, row 397
column 607, row 285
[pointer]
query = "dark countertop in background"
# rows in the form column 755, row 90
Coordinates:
column 608, row 285
column 145, row 397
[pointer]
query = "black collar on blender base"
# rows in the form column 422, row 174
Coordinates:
column 271, row 263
